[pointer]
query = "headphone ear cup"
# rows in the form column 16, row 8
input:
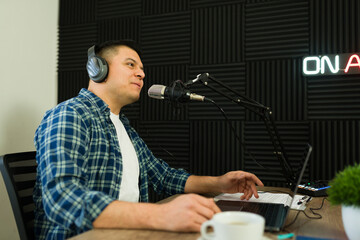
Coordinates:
column 97, row 69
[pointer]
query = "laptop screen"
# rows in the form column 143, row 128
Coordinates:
column 307, row 157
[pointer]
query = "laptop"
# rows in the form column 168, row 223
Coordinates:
column 274, row 213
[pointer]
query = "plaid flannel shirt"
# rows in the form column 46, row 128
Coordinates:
column 80, row 167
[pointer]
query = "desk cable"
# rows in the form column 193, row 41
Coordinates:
column 318, row 215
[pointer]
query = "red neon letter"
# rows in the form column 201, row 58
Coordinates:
column 350, row 64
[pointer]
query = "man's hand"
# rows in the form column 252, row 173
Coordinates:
column 239, row 181
column 186, row 213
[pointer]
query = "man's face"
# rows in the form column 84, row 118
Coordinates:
column 125, row 78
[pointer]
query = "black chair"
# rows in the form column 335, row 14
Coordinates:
column 19, row 174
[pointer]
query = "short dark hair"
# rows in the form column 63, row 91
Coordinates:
column 111, row 44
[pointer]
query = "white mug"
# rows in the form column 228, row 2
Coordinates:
column 234, row 225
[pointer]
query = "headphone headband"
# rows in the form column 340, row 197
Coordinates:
column 91, row 51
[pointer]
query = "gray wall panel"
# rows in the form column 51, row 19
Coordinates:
column 335, row 26
column 276, row 29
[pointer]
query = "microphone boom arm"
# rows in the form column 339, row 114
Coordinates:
column 265, row 114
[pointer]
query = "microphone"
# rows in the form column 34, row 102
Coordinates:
column 175, row 93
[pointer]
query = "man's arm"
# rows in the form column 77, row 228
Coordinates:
column 185, row 213
column 202, row 184
column 231, row 182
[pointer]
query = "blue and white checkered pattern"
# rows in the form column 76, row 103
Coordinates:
column 80, row 167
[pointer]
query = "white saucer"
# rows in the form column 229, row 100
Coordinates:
column 263, row 238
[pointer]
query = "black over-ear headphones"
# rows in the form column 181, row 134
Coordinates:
column 96, row 66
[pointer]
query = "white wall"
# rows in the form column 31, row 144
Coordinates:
column 28, row 80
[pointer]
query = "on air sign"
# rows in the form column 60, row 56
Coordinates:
column 339, row 64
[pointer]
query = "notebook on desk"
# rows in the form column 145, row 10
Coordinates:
column 274, row 213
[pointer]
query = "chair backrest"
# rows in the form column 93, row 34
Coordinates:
column 19, row 174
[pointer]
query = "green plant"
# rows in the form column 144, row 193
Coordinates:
column 345, row 187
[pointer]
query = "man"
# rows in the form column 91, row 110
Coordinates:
column 94, row 169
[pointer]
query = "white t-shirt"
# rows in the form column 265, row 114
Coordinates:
column 129, row 187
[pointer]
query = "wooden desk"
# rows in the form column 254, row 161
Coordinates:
column 330, row 226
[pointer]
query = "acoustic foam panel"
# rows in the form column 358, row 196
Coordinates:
column 333, row 97
column 166, row 38
column 217, row 34
column 77, row 12
column 231, row 74
column 335, row 147
column 170, row 140
column 156, row 7
column 107, row 9
column 214, row 149
column 279, row 85
column 70, row 83
column 118, row 28
column 294, row 137
column 74, row 41
column 276, row 29
column 334, row 26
